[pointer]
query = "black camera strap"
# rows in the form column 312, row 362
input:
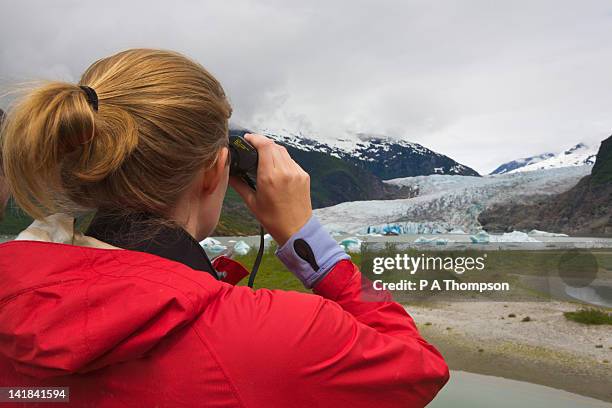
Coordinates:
column 258, row 258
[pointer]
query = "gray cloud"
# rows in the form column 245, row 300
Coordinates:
column 481, row 81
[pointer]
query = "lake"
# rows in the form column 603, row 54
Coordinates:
column 468, row 390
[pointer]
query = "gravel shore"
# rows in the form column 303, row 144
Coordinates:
column 527, row 341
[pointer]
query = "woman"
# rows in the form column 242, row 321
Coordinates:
column 127, row 319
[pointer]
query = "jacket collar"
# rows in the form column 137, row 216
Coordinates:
column 147, row 233
column 137, row 232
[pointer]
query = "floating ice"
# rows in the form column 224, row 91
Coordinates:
column 480, row 238
column 514, row 236
column 213, row 246
column 209, row 242
column 431, row 241
column 539, row 233
column 456, row 231
column 241, row 248
column 267, row 240
column 351, row 244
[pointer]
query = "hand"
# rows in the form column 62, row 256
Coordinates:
column 282, row 200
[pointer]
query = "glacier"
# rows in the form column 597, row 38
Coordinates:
column 446, row 202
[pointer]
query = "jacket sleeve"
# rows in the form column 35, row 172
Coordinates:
column 333, row 350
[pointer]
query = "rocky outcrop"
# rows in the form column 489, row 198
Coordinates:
column 585, row 209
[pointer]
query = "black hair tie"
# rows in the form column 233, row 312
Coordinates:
column 92, row 96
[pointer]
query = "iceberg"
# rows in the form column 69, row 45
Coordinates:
column 267, row 240
column 514, row 236
column 241, row 248
column 351, row 244
column 431, row 241
column 212, row 246
column 480, row 238
column 539, row 233
column 456, row 231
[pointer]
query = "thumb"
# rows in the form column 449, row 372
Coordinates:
column 246, row 192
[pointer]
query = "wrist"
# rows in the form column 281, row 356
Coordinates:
column 310, row 253
column 282, row 236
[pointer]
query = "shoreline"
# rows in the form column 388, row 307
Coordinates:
column 546, row 350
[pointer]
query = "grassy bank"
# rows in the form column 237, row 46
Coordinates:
column 590, row 316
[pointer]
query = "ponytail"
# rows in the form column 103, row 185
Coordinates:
column 160, row 119
column 54, row 140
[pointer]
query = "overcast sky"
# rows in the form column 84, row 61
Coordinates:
column 481, row 81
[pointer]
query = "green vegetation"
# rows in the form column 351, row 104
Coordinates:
column 589, row 316
column 236, row 219
column 14, row 220
column 272, row 273
column 333, row 180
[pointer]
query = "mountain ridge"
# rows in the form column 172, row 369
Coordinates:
column 586, row 208
column 578, row 155
column 522, row 162
column 384, row 157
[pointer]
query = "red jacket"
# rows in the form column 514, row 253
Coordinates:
column 124, row 328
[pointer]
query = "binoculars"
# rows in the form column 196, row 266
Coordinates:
column 243, row 160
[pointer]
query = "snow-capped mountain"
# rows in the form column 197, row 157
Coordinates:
column 446, row 202
column 384, row 157
column 585, row 209
column 522, row 162
column 578, row 155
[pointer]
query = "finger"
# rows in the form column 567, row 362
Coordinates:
column 287, row 161
column 264, row 147
column 258, row 141
column 246, row 192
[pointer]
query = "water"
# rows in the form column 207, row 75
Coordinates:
column 468, row 390
column 597, row 293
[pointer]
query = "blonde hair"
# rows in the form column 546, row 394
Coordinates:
column 161, row 119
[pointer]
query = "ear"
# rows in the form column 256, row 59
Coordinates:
column 213, row 176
